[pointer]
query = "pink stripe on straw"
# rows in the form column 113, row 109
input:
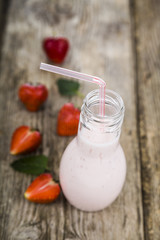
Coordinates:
column 80, row 76
column 102, row 86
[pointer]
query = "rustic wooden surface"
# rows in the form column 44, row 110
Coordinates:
column 119, row 42
column 147, row 29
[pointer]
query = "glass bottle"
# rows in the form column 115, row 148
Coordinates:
column 93, row 166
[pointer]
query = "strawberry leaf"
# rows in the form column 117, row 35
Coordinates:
column 67, row 87
column 34, row 165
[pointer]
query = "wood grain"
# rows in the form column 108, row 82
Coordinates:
column 4, row 5
column 100, row 37
column 147, row 35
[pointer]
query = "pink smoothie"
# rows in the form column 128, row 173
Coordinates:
column 92, row 170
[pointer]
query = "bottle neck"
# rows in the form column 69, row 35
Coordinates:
column 97, row 129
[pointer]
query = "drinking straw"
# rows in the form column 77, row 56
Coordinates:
column 80, row 76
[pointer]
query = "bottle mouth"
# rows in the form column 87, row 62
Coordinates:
column 114, row 106
column 114, row 109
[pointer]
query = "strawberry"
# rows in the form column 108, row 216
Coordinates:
column 43, row 189
column 24, row 139
column 68, row 119
column 33, row 95
column 56, row 48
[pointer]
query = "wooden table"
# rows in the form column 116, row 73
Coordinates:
column 118, row 41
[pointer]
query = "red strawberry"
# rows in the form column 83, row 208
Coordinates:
column 43, row 189
column 33, row 95
column 68, row 119
column 56, row 48
column 24, row 140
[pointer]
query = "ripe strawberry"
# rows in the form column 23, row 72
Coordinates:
column 68, row 119
column 33, row 95
column 24, row 140
column 56, row 48
column 43, row 189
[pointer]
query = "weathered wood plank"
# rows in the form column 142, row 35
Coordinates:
column 100, row 36
column 147, row 30
column 3, row 15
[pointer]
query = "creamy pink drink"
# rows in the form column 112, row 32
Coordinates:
column 93, row 166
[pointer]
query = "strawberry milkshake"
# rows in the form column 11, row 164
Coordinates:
column 93, row 166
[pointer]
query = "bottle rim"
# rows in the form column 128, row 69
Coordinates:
column 110, row 97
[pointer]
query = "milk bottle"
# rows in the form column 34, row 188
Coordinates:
column 93, row 166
